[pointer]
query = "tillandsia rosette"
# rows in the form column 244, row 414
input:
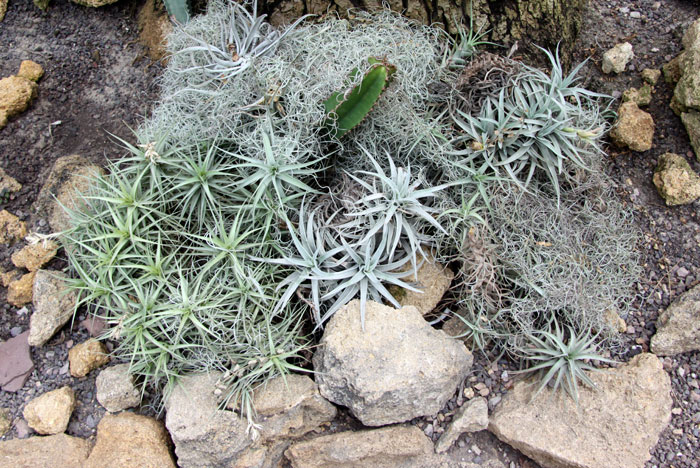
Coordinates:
column 286, row 171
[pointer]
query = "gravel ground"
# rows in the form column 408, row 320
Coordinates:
column 98, row 81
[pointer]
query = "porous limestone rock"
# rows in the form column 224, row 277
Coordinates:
column 672, row 70
column 5, row 421
column 675, row 180
column 154, row 27
column 8, row 184
column 651, row 76
column 70, row 176
column 56, row 451
column 691, row 37
column 394, row 370
column 678, row 327
column 634, row 128
column 86, row 357
column 116, row 390
column 615, row 424
column 20, row 291
column 641, row 96
column 50, row 412
column 390, row 447
column 3, row 9
column 11, row 228
column 207, row 436
column 94, row 3
column 30, row 70
column 616, row 59
column 16, row 93
column 473, row 416
column 53, row 306
column 432, row 279
column 7, row 277
column 204, row 435
column 34, row 256
column 691, row 120
column 16, row 363
column 130, row 440
column 686, row 94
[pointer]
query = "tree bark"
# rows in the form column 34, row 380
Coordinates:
column 546, row 23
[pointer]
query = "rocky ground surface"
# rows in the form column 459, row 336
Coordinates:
column 98, row 80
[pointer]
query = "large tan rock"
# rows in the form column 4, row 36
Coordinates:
column 49, row 413
column 686, row 94
column 20, row 291
column 16, row 93
column 69, row 177
column 86, row 357
column 634, row 128
column 3, row 9
column 11, row 228
column 34, row 256
column 614, row 425
column 396, row 369
column 473, row 416
column 53, row 306
column 129, row 440
column 433, row 280
column 390, row 447
column 154, row 27
column 56, row 451
column 615, row 60
column 675, row 180
column 678, row 327
column 94, row 3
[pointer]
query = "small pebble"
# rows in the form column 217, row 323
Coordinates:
column 15, row 331
column 682, row 272
column 475, row 448
column 635, row 15
column 656, row 5
column 624, row 10
column 676, row 411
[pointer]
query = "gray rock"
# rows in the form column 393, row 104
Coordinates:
column 691, row 37
column 616, row 59
column 615, row 424
column 56, row 451
column 473, row 416
column 394, row 370
column 16, row 363
column 53, row 306
column 204, row 435
column 390, row 447
column 686, row 95
column 678, row 327
column 116, row 390
column 69, row 177
column 675, row 180
column 691, row 120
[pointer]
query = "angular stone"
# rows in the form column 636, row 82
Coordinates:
column 651, row 76
column 20, row 291
column 154, row 27
column 687, row 91
column 204, row 435
column 678, row 327
column 15, row 363
column 93, row 324
column 34, row 256
column 56, row 451
column 69, row 177
column 615, row 59
column 634, row 128
column 86, row 357
column 473, row 416
column 3, row 9
column 129, row 440
column 11, row 228
column 7, row 277
column 290, row 407
column 15, row 95
column 390, row 447
column 116, row 390
column 8, row 184
column 49, row 413
column 675, row 180
column 394, row 370
column 691, row 120
column 5, row 421
column 30, row 70
column 691, row 37
column 433, row 281
column 53, row 306
column 94, row 3
column 672, row 70
column 614, row 425
column 641, row 96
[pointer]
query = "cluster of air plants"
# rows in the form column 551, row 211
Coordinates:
column 279, row 178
